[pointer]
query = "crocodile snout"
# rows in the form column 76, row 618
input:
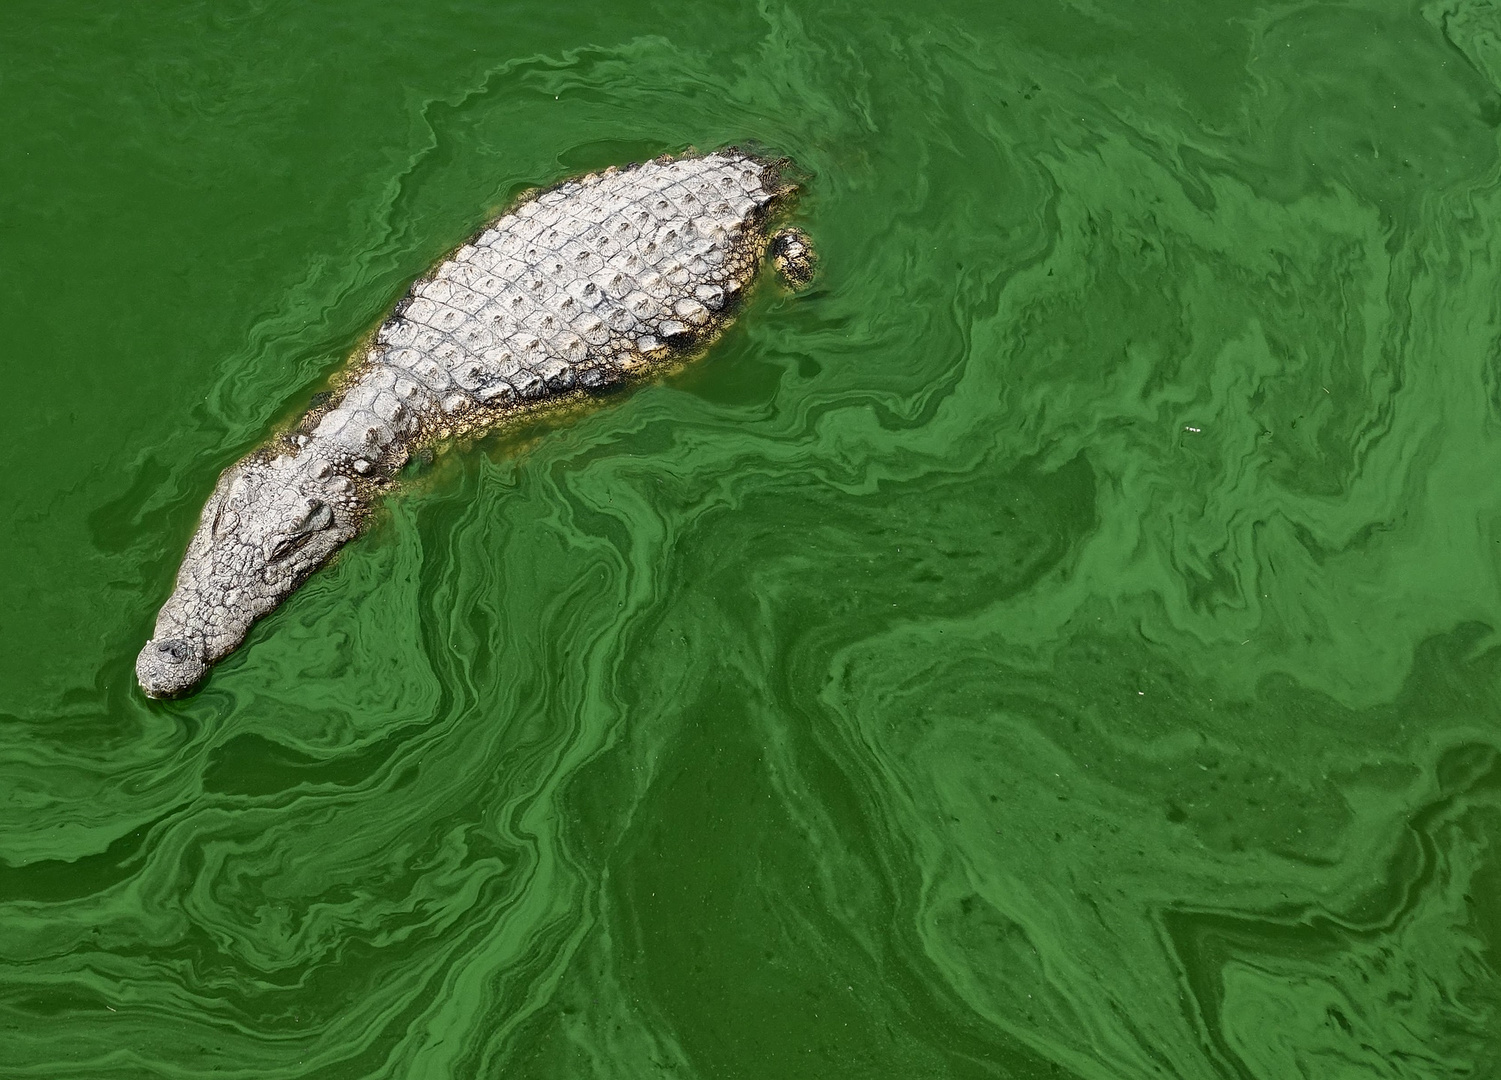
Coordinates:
column 169, row 667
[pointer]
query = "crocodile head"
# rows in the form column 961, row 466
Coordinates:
column 268, row 525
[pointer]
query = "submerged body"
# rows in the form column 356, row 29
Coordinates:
column 577, row 289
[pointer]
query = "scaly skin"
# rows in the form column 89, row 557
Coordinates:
column 577, row 289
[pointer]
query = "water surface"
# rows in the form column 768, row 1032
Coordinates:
column 1060, row 643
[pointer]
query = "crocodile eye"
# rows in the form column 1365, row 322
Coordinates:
column 317, row 517
column 225, row 520
column 284, row 546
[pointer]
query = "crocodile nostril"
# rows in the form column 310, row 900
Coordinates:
column 175, row 649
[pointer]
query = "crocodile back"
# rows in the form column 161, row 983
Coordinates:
column 578, row 287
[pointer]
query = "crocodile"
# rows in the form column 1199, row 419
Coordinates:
column 590, row 284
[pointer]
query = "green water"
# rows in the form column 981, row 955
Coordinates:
column 1061, row 643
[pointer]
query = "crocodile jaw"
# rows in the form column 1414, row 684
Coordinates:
column 270, row 523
